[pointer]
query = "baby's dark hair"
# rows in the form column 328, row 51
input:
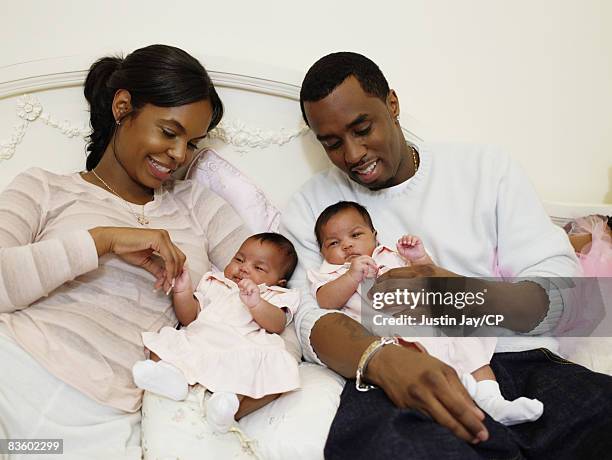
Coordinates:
column 334, row 209
column 282, row 243
column 330, row 71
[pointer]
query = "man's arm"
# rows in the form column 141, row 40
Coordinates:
column 532, row 255
column 409, row 378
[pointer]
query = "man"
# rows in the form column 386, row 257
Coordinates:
column 477, row 215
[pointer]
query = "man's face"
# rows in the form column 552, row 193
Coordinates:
column 360, row 135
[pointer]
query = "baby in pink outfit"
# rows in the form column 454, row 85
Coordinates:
column 229, row 343
column 347, row 240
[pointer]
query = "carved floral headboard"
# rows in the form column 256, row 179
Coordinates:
column 44, row 120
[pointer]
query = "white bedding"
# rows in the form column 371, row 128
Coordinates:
column 293, row 427
column 261, row 135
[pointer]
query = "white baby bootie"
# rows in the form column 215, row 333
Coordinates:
column 160, row 378
column 488, row 396
column 221, row 409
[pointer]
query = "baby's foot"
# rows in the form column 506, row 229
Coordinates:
column 221, row 409
column 521, row 410
column 160, row 378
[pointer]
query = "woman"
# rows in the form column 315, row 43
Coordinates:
column 87, row 259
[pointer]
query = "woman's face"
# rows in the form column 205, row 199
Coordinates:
column 153, row 142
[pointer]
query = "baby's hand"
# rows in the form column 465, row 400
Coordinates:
column 249, row 292
column 182, row 282
column 411, row 248
column 363, row 267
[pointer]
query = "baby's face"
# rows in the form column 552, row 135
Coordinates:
column 346, row 236
column 260, row 261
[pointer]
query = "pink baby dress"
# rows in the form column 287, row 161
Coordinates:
column 224, row 349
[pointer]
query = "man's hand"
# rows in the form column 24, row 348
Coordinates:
column 408, row 377
column 419, row 381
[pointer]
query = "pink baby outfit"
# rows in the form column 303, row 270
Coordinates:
column 464, row 354
column 224, row 349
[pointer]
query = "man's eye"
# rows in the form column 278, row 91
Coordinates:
column 364, row 132
column 331, row 145
column 168, row 133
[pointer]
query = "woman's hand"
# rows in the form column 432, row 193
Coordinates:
column 151, row 249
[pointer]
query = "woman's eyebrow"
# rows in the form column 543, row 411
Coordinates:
column 175, row 123
column 179, row 127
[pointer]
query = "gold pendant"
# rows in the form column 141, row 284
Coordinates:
column 142, row 220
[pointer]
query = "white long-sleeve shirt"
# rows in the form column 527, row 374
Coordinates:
column 475, row 210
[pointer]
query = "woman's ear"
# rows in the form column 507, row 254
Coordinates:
column 122, row 104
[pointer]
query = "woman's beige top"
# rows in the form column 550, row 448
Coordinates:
column 81, row 317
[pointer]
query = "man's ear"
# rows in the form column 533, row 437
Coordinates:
column 282, row 283
column 392, row 103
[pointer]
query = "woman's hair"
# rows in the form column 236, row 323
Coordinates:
column 160, row 75
column 334, row 209
column 330, row 71
column 284, row 245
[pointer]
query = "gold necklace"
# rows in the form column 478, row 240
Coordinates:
column 142, row 220
column 414, row 160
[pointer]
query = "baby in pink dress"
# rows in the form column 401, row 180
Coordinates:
column 230, row 342
column 348, row 243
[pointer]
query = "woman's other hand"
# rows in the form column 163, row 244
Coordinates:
column 151, row 249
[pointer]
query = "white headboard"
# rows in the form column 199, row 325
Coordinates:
column 44, row 119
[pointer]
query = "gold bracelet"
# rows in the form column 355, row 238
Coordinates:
column 367, row 355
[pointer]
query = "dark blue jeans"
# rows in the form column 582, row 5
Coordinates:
column 576, row 424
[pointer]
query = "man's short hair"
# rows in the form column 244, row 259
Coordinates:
column 330, row 71
column 284, row 245
column 334, row 209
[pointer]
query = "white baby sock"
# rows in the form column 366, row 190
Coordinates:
column 160, row 378
column 488, row 396
column 221, row 408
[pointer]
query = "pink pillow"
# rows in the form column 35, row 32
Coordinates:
column 227, row 181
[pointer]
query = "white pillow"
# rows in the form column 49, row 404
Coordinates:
column 294, row 426
column 227, row 181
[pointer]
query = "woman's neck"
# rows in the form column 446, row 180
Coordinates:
column 115, row 178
